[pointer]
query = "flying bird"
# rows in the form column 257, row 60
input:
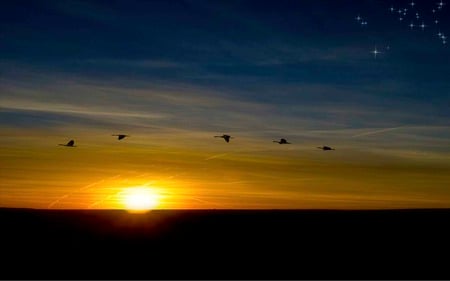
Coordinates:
column 119, row 137
column 71, row 143
column 225, row 137
column 282, row 141
column 325, row 147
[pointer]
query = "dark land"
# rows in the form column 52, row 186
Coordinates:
column 225, row 244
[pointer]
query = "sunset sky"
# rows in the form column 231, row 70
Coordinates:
column 173, row 74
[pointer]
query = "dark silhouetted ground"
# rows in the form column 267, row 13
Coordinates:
column 225, row 244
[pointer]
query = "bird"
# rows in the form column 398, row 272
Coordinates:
column 119, row 137
column 225, row 137
column 325, row 147
column 71, row 143
column 282, row 141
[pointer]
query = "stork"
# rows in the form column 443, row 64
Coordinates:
column 325, row 148
column 119, row 137
column 225, row 137
column 282, row 141
column 71, row 143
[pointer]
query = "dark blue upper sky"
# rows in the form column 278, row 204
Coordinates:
column 308, row 60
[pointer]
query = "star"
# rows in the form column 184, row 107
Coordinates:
column 412, row 3
column 375, row 52
column 392, row 9
column 358, row 18
column 423, row 26
column 411, row 25
column 440, row 4
column 436, row 21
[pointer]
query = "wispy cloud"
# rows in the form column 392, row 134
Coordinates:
column 68, row 109
column 267, row 110
column 375, row 132
column 142, row 63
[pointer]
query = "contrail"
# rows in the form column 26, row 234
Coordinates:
column 197, row 199
column 216, row 156
column 224, row 154
column 103, row 200
column 207, row 202
column 79, row 190
column 375, row 132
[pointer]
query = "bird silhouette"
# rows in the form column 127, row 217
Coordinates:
column 119, row 137
column 282, row 141
column 325, row 147
column 225, row 137
column 71, row 143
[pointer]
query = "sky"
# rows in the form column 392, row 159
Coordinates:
column 370, row 81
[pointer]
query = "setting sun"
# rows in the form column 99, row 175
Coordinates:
column 140, row 199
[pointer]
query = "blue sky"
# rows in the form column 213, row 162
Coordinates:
column 260, row 70
column 289, row 54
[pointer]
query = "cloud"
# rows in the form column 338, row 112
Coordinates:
column 305, row 112
column 262, row 110
column 141, row 63
column 177, row 107
column 68, row 109
column 375, row 132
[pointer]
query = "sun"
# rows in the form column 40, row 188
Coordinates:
column 140, row 199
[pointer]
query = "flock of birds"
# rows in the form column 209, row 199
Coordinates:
column 227, row 138
column 71, row 143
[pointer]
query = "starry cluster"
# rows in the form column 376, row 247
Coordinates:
column 421, row 18
column 415, row 18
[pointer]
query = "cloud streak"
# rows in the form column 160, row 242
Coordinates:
column 376, row 132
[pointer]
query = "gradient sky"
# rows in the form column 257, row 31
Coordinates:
column 173, row 74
